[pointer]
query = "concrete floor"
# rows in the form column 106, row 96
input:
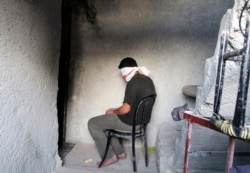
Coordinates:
column 83, row 158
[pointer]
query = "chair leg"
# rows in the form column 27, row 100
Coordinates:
column 106, row 150
column 120, row 141
column 146, row 149
column 133, row 153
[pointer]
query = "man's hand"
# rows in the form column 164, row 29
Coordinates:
column 110, row 111
column 123, row 109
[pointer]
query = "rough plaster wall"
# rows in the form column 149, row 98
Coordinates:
column 29, row 53
column 172, row 38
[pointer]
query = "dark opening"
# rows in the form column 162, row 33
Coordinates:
column 63, row 77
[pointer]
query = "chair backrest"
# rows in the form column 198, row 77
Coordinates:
column 144, row 110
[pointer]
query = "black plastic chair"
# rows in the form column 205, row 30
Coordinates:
column 141, row 119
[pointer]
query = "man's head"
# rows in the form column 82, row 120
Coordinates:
column 128, row 68
column 127, row 62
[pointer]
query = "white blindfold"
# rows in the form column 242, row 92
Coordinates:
column 129, row 72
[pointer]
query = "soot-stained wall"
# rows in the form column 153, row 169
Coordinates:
column 171, row 38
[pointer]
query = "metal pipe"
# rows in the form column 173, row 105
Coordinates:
column 220, row 75
column 240, row 108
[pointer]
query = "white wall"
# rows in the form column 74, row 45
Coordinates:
column 171, row 38
column 29, row 53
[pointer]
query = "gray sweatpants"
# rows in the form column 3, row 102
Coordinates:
column 98, row 124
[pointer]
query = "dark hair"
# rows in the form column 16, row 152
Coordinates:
column 127, row 62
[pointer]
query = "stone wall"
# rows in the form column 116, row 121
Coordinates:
column 204, row 101
column 29, row 55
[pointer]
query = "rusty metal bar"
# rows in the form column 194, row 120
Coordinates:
column 188, row 145
column 205, row 122
column 230, row 154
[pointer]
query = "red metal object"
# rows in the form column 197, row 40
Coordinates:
column 199, row 120
column 188, row 144
column 230, row 153
column 192, row 118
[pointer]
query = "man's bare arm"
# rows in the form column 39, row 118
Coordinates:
column 123, row 109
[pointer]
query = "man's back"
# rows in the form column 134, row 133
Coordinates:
column 137, row 88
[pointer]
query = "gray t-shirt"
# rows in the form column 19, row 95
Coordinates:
column 137, row 88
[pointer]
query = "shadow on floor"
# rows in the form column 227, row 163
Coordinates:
column 65, row 149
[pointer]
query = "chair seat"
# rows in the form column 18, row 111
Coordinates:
column 125, row 134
